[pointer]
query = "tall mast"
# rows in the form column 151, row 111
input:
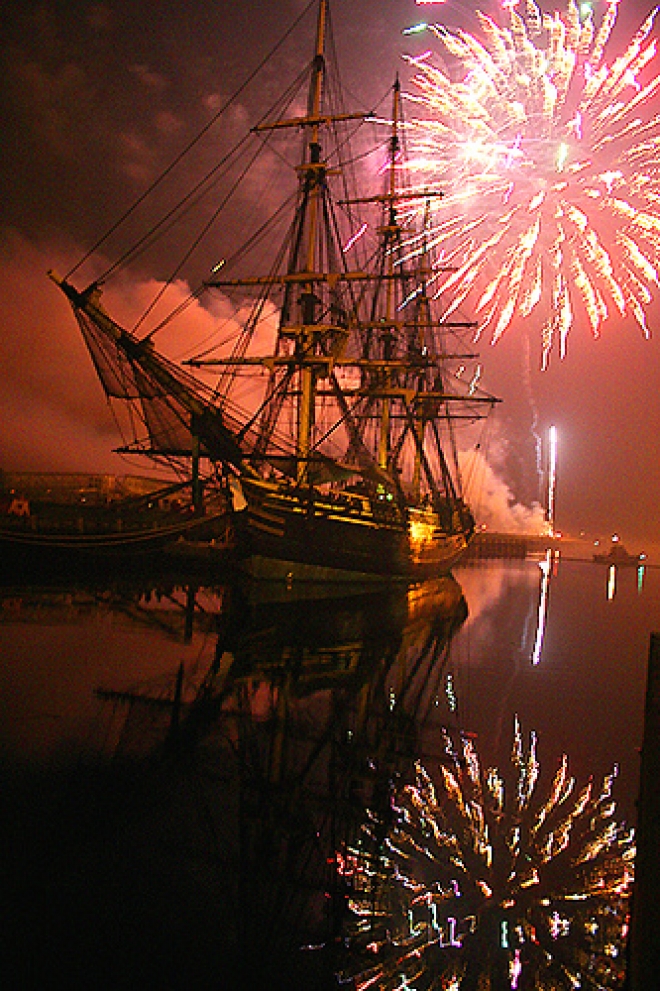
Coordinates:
column 312, row 174
column 312, row 171
column 424, row 317
column 310, row 338
column 389, row 232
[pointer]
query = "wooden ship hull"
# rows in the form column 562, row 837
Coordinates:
column 286, row 538
column 74, row 537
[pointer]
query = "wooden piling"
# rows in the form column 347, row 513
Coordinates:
column 644, row 939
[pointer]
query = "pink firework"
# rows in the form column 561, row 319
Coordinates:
column 547, row 150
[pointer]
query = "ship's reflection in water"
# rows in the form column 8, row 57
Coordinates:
column 201, row 849
column 261, row 802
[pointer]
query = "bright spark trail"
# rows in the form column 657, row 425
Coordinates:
column 547, row 147
column 552, row 479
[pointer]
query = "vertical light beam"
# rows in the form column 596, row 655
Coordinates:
column 552, row 480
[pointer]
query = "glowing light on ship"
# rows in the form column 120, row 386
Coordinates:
column 475, row 875
column 546, row 146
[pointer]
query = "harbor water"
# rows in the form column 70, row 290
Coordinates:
column 183, row 762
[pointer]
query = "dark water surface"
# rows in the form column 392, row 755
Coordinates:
column 181, row 763
column 568, row 652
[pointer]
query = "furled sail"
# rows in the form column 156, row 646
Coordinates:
column 179, row 418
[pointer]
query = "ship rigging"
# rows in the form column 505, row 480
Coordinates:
column 331, row 423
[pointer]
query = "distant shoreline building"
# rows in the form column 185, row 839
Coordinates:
column 74, row 487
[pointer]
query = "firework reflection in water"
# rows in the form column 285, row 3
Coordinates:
column 480, row 883
column 547, row 154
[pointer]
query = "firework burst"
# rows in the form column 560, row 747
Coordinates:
column 478, row 884
column 548, row 154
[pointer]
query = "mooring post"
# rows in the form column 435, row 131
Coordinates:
column 643, row 968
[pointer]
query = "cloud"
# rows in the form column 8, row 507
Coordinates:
column 44, row 98
column 149, row 78
column 100, row 17
column 168, row 122
column 53, row 412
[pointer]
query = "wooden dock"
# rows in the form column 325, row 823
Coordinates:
column 488, row 544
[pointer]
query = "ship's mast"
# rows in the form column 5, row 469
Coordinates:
column 389, row 233
column 315, row 322
column 312, row 174
column 424, row 315
column 311, row 339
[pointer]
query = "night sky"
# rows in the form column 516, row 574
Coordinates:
column 96, row 99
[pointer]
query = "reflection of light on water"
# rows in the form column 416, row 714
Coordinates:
column 475, row 872
column 485, row 588
column 612, row 577
column 546, row 570
column 515, row 969
column 452, row 701
column 611, row 582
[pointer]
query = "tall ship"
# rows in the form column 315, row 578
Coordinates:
column 330, row 419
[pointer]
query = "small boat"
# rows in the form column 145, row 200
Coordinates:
column 332, row 423
column 51, row 534
column 618, row 555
